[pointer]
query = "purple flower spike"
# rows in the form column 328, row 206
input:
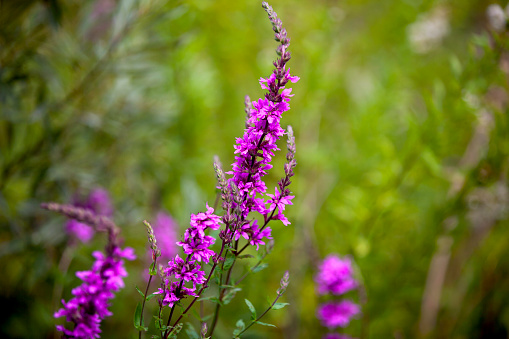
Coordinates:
column 337, row 314
column 254, row 151
column 91, row 299
column 335, row 275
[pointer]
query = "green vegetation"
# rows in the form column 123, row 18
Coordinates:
column 402, row 149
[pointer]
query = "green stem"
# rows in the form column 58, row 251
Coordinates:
column 261, row 316
column 145, row 297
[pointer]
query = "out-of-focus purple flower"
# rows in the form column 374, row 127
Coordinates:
column 336, row 336
column 335, row 275
column 91, row 299
column 99, row 203
column 337, row 314
column 165, row 230
column 80, row 230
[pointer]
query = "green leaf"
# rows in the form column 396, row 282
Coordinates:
column 260, row 267
column 240, row 327
column 142, row 294
column 176, row 330
column 213, row 299
column 141, row 328
column 230, row 295
column 265, row 324
column 244, row 256
column 191, row 332
column 162, row 327
column 153, row 269
column 231, row 248
column 278, row 306
column 137, row 316
column 227, row 286
column 150, row 296
column 228, row 263
column 251, row 308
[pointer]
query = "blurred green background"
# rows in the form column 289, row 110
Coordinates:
column 402, row 148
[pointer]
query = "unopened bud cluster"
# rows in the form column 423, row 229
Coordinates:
column 152, row 241
column 285, row 281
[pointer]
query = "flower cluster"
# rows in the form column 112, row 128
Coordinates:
column 196, row 245
column 335, row 276
column 97, row 202
column 254, row 151
column 91, row 299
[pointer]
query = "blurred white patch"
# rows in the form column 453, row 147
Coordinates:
column 360, row 85
column 471, row 99
column 429, row 30
column 497, row 18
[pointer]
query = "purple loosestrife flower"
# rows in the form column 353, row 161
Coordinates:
column 91, row 299
column 337, row 314
column 99, row 203
column 196, row 245
column 188, row 271
column 254, row 151
column 335, row 275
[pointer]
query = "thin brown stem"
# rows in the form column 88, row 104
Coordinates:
column 145, row 296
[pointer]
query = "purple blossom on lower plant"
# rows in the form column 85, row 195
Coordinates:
column 91, row 299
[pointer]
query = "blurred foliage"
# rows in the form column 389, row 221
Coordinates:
column 402, row 147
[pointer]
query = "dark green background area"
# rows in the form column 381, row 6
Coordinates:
column 403, row 155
